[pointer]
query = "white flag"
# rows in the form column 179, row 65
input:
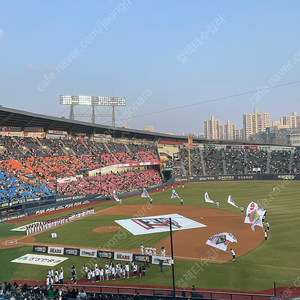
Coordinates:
column 207, row 199
column 115, row 196
column 230, row 201
column 145, row 194
column 174, row 194
column 221, row 240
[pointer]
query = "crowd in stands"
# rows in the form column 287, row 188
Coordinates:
column 41, row 292
column 279, row 161
column 106, row 184
column 44, row 161
column 256, row 159
column 41, row 160
column 234, row 161
column 13, row 188
column 296, row 163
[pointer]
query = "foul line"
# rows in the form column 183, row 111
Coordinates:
column 201, row 258
column 279, row 267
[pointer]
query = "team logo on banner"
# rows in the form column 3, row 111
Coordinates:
column 150, row 223
column 123, row 256
column 158, row 224
column 55, row 250
column 221, row 240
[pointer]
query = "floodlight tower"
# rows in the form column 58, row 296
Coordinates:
column 93, row 102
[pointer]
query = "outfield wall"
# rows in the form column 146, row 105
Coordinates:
column 92, row 253
column 237, row 177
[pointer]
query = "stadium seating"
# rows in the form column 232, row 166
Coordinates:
column 31, row 166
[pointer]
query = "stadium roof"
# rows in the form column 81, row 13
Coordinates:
column 17, row 118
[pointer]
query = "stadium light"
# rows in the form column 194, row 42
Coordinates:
column 92, row 101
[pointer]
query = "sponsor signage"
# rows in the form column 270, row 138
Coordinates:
column 12, row 218
column 65, row 198
column 123, row 256
column 88, row 253
column 210, row 146
column 12, row 203
column 141, row 258
column 42, row 249
column 238, row 177
column 148, row 163
column 153, row 224
column 279, row 148
column 167, row 261
column 167, row 169
column 105, row 254
column 56, row 250
column 242, row 147
column 71, row 251
column 40, row 260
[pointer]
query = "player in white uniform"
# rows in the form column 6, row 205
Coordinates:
column 142, row 249
column 153, row 251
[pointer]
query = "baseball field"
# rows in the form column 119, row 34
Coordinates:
column 258, row 263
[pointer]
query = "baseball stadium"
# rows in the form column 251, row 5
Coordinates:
column 104, row 211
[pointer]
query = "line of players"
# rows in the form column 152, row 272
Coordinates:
column 54, row 277
column 151, row 251
column 100, row 274
column 41, row 226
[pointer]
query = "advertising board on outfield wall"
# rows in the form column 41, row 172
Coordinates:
column 166, row 260
column 102, row 254
column 41, row 249
column 123, row 256
column 141, row 258
column 105, row 254
column 238, row 177
column 71, row 251
column 88, row 253
column 56, row 250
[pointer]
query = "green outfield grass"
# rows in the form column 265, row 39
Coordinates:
column 276, row 260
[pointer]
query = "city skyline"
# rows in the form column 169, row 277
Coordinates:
column 253, row 123
column 175, row 63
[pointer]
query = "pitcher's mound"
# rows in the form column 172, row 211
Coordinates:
column 106, row 229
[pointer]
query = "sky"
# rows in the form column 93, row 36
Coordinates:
column 163, row 56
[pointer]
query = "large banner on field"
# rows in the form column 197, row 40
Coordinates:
column 154, row 224
column 40, row 260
